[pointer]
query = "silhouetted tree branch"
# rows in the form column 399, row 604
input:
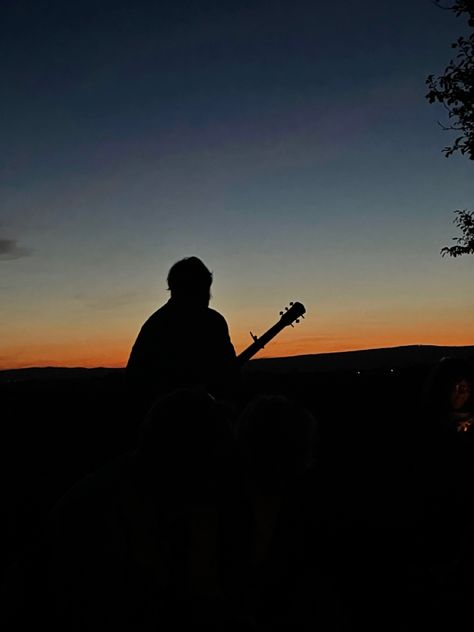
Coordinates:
column 455, row 91
column 465, row 245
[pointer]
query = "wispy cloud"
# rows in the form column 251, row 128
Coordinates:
column 10, row 250
column 107, row 301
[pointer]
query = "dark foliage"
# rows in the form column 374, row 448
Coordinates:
column 455, row 90
column 465, row 244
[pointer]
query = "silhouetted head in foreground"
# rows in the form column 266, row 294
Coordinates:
column 189, row 281
column 448, row 391
column 276, row 437
column 186, row 445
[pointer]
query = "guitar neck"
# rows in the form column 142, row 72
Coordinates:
column 288, row 317
column 259, row 343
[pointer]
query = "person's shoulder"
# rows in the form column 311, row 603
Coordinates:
column 162, row 313
column 216, row 316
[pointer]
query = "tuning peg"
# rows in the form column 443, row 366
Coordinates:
column 291, row 303
column 302, row 316
column 292, row 324
column 297, row 320
column 281, row 313
column 286, row 309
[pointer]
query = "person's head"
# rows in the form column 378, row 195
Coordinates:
column 461, row 393
column 449, row 386
column 186, row 443
column 276, row 437
column 190, row 281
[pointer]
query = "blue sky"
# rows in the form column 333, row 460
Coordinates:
column 288, row 144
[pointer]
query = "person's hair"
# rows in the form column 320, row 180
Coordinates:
column 436, row 396
column 276, row 436
column 186, row 442
column 189, row 276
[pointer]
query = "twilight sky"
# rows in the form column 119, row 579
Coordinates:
column 287, row 144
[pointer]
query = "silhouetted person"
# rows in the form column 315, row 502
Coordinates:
column 292, row 588
column 155, row 540
column 184, row 343
column 443, row 599
column 447, row 459
column 448, row 403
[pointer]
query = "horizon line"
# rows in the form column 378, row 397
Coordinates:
column 299, row 355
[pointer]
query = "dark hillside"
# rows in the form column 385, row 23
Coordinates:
column 60, row 424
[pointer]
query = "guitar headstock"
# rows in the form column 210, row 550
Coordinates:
column 292, row 313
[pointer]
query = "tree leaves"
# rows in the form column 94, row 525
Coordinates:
column 455, row 88
column 465, row 244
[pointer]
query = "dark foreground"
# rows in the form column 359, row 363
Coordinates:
column 395, row 522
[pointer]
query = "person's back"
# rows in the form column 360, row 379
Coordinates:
column 154, row 539
column 184, row 343
column 292, row 584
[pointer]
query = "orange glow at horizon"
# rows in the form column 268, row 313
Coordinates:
column 318, row 345
column 113, row 353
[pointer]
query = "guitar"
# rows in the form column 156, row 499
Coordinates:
column 288, row 317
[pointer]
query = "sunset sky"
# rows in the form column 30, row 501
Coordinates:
column 287, row 144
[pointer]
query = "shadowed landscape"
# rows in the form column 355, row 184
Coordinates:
column 60, row 425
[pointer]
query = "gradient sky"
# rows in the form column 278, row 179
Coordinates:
column 287, row 144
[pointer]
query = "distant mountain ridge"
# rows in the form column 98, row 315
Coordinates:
column 363, row 360
column 359, row 360
column 47, row 373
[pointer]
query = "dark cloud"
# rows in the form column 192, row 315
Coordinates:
column 10, row 249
